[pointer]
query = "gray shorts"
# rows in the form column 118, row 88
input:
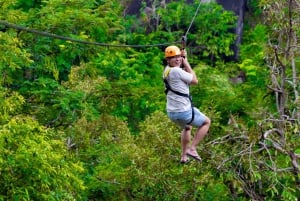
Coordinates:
column 182, row 118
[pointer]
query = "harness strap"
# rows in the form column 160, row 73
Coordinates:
column 168, row 88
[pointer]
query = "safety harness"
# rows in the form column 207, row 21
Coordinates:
column 168, row 88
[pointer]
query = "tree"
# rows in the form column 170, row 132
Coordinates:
column 283, row 55
column 282, row 60
column 264, row 161
column 34, row 162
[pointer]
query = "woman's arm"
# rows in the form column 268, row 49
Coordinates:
column 188, row 68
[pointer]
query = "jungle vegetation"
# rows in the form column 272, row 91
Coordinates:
column 84, row 121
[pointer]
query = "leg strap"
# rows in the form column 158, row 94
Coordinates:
column 193, row 114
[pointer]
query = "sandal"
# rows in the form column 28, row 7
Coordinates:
column 184, row 162
column 194, row 155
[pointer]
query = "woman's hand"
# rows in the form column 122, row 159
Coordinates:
column 183, row 53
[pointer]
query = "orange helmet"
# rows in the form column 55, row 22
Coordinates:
column 172, row 51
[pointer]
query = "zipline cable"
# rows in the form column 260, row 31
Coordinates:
column 51, row 35
column 196, row 13
column 46, row 34
column 184, row 37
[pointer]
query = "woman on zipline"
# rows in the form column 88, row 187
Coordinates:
column 179, row 104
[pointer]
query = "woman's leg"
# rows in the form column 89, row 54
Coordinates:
column 185, row 140
column 200, row 133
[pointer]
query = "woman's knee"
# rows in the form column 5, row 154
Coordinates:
column 188, row 127
column 207, row 121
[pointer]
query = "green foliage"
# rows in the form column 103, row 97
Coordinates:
column 156, row 169
column 134, row 77
column 68, row 102
column 106, row 148
column 13, row 57
column 223, row 96
column 65, row 104
column 34, row 165
column 9, row 13
column 254, row 45
column 213, row 35
column 10, row 104
column 28, row 4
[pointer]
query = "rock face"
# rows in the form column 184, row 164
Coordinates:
column 237, row 6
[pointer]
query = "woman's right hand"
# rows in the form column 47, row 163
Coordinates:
column 183, row 53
